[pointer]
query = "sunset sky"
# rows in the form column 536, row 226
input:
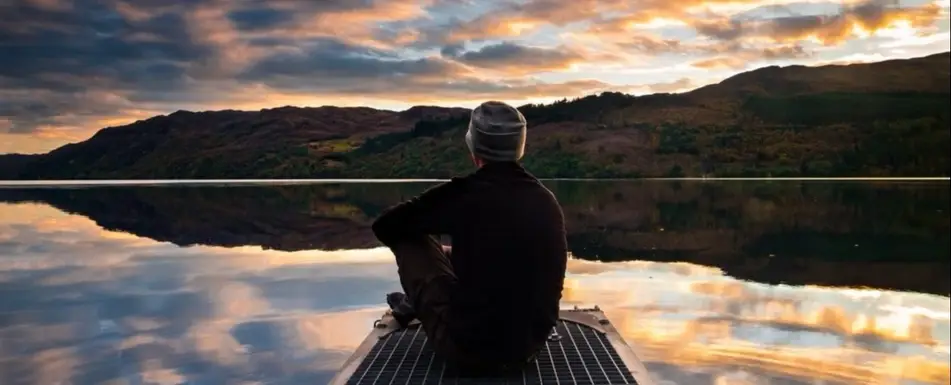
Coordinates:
column 71, row 67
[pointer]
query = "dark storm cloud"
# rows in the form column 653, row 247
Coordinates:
column 91, row 35
column 258, row 15
column 259, row 18
column 28, row 115
column 334, row 66
column 333, row 58
column 52, row 58
column 510, row 51
column 32, row 109
column 452, row 50
column 518, row 58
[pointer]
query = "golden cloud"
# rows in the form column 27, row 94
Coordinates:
column 852, row 22
column 630, row 32
column 725, row 62
column 210, row 25
column 679, row 85
column 516, row 20
column 619, row 36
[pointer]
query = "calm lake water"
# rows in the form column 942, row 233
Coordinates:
column 711, row 282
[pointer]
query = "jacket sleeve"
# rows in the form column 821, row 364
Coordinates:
column 434, row 212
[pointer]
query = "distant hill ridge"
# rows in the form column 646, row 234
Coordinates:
column 888, row 118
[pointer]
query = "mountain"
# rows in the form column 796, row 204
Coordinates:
column 889, row 118
column 792, row 232
column 11, row 164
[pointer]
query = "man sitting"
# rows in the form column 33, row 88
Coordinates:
column 488, row 303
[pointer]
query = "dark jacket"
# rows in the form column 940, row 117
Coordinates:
column 508, row 252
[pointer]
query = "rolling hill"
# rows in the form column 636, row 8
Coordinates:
column 889, row 118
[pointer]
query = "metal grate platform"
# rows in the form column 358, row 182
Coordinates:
column 580, row 354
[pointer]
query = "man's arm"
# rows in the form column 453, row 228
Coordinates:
column 432, row 212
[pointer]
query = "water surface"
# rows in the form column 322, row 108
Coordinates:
column 723, row 282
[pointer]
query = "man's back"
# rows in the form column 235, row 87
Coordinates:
column 509, row 254
column 493, row 302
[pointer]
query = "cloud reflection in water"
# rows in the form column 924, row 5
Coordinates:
column 695, row 318
column 79, row 304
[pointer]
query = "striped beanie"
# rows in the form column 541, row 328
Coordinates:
column 497, row 132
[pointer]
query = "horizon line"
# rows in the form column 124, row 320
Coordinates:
column 165, row 182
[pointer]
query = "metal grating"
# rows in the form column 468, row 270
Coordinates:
column 582, row 355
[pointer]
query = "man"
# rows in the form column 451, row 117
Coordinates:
column 489, row 302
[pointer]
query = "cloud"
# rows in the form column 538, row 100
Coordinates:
column 741, row 58
column 776, row 20
column 357, row 22
column 515, row 58
column 679, row 85
column 513, row 19
column 721, row 62
column 345, row 62
column 828, row 29
column 70, row 66
column 255, row 19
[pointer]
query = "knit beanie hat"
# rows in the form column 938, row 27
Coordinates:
column 497, row 132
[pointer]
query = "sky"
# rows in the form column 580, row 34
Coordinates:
column 71, row 67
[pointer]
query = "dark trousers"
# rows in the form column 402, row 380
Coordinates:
column 427, row 277
column 428, row 280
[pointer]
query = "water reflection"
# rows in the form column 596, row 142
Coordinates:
column 776, row 232
column 684, row 316
column 81, row 304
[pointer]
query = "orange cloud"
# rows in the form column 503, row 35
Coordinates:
column 26, row 144
column 210, row 25
column 721, row 63
column 682, row 84
column 749, row 38
column 519, row 19
column 851, row 22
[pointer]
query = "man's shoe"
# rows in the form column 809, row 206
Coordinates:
column 401, row 308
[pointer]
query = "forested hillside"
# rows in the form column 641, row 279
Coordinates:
column 880, row 119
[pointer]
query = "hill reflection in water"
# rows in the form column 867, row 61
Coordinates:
column 699, row 294
column 785, row 231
